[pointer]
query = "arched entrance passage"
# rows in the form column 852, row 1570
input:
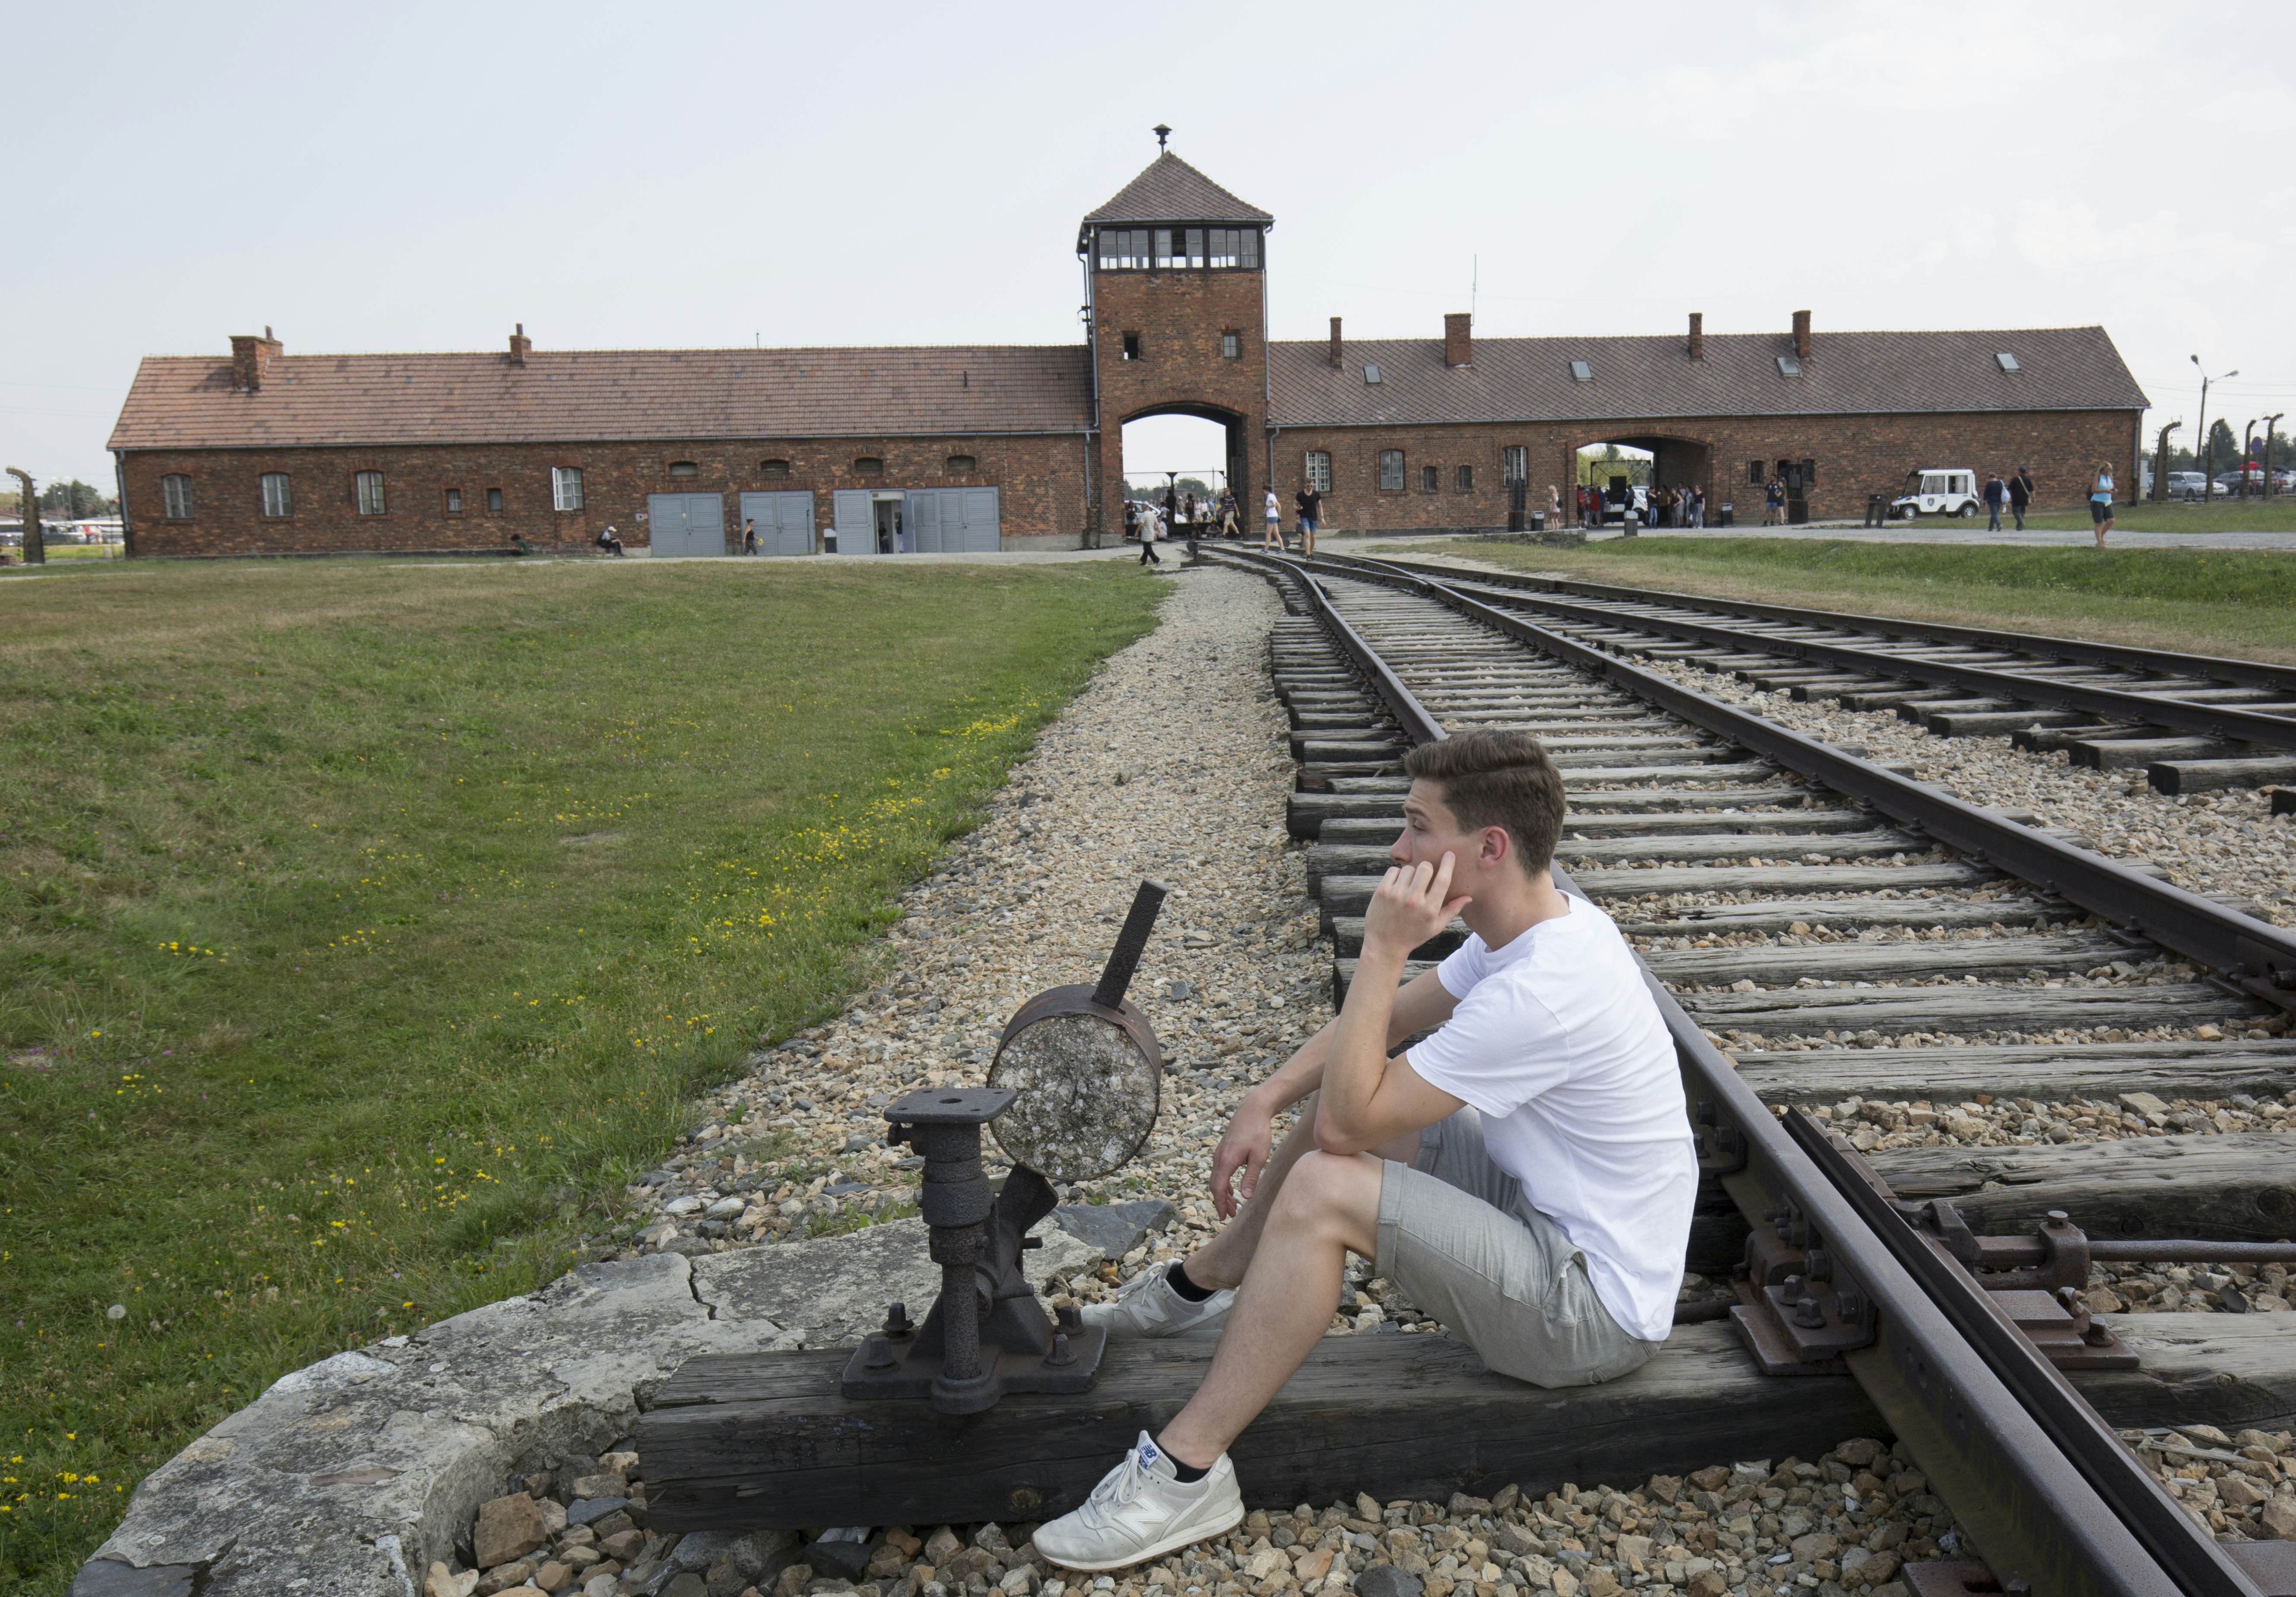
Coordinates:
column 1650, row 461
column 1159, row 444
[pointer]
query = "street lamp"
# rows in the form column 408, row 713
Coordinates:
column 2209, row 467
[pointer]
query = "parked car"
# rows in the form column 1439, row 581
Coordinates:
column 2188, row 486
column 2228, row 482
column 1937, row 490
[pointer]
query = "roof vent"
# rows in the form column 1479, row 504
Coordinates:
column 1371, row 372
column 1581, row 372
column 1789, row 366
column 2008, row 361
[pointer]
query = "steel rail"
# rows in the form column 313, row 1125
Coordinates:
column 2254, row 956
column 2031, row 1507
column 2081, row 651
column 2111, row 703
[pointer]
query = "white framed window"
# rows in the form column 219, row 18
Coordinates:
column 1124, row 249
column 278, row 501
column 565, row 488
column 1390, row 471
column 370, row 493
column 453, row 501
column 176, row 499
column 1515, row 464
column 1234, row 247
column 1318, row 470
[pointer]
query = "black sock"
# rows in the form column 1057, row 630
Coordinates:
column 1188, row 1473
column 1178, row 1276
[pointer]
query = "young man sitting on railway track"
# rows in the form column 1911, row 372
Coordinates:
column 1525, row 1174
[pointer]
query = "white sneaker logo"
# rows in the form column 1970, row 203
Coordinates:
column 1148, row 1454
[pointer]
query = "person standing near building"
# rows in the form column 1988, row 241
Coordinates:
column 1311, row 511
column 1697, row 507
column 1996, row 494
column 1272, row 538
column 749, row 538
column 2100, row 501
column 1773, row 501
column 1131, row 518
column 1152, row 528
column 1230, row 527
column 2021, row 494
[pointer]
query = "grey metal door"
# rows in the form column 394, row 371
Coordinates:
column 856, row 522
column 785, row 521
column 983, row 533
column 921, row 515
column 681, row 525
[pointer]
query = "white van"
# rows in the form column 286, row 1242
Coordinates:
column 1937, row 490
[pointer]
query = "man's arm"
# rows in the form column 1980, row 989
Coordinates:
column 1368, row 1097
column 1250, row 1138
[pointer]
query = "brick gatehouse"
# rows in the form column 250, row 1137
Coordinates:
column 870, row 450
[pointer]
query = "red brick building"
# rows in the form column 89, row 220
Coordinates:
column 893, row 450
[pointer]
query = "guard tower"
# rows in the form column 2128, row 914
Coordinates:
column 1175, row 266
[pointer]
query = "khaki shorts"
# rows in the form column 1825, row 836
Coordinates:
column 1457, row 1235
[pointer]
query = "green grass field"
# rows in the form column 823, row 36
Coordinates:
column 362, row 927
column 2207, row 601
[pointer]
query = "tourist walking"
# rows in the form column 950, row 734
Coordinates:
column 1311, row 511
column 1773, row 501
column 1697, row 509
column 2099, row 502
column 1150, row 529
column 1272, row 538
column 1230, row 526
column 749, row 538
column 1996, row 494
column 2021, row 494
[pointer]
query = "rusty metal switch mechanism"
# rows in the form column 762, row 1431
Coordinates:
column 1073, row 1094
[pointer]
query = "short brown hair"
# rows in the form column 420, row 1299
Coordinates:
column 1495, row 778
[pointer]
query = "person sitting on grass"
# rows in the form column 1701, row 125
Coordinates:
column 1525, row 1174
column 519, row 546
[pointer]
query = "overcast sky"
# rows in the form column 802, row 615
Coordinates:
column 420, row 177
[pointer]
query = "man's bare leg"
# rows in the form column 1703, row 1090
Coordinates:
column 1327, row 1208
column 1223, row 1261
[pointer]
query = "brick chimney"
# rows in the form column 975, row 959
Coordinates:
column 1335, row 343
column 250, row 356
column 519, row 345
column 1698, row 335
column 1801, row 334
column 1459, row 339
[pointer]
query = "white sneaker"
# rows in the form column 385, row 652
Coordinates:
column 1140, row 1509
column 1148, row 1307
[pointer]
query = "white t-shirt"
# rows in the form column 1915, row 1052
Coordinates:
column 1560, row 1046
column 1274, row 510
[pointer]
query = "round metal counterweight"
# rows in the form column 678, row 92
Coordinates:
column 1090, row 1081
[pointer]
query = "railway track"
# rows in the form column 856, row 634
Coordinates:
column 2194, row 723
column 1851, row 935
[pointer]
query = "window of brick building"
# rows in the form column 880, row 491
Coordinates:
column 1124, row 249
column 369, row 486
column 684, row 468
column 961, row 465
column 1319, row 470
column 277, row 500
column 453, row 501
column 176, row 499
column 1178, row 248
column 1132, row 346
column 1430, row 479
column 774, row 468
column 1515, row 464
column 1755, row 475
column 869, row 465
column 1234, row 247
column 1390, row 471
column 565, row 488
column 1232, row 346
column 493, row 501
column 1464, row 479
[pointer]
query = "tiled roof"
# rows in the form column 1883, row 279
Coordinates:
column 1530, row 379
column 1170, row 190
column 188, row 401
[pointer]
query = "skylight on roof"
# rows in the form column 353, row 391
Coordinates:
column 2008, row 362
column 1371, row 372
column 1789, row 366
column 1581, row 372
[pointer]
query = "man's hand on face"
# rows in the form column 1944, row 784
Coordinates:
column 1412, row 904
column 1245, row 1145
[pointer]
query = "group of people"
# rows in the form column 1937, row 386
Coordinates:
column 1673, row 504
column 2015, row 493
column 1151, row 522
